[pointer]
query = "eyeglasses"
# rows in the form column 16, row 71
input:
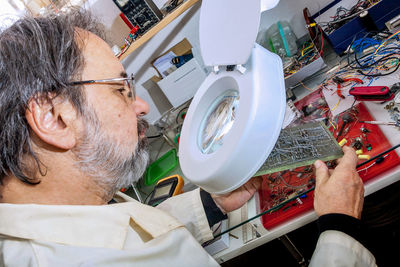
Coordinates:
column 128, row 81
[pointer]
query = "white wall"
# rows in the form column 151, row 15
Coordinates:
column 108, row 13
column 186, row 26
column 9, row 12
column 139, row 62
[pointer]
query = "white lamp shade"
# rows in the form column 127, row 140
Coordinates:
column 268, row 4
column 250, row 106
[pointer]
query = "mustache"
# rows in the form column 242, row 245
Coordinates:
column 143, row 125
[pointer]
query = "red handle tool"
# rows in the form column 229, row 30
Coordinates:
column 339, row 81
column 372, row 93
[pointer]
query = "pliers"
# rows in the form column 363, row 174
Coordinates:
column 339, row 81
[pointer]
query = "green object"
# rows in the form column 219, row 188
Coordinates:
column 159, row 168
column 301, row 146
column 282, row 39
column 285, row 44
column 272, row 46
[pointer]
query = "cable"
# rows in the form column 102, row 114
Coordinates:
column 154, row 136
column 343, row 14
column 390, row 37
column 371, row 64
column 303, row 193
column 145, row 200
column 378, row 156
column 288, row 185
column 373, row 163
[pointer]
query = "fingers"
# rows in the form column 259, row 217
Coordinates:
column 253, row 184
column 321, row 173
column 349, row 159
column 257, row 181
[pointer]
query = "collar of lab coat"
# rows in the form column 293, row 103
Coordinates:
column 89, row 226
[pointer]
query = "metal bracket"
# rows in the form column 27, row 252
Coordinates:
column 216, row 69
column 241, row 69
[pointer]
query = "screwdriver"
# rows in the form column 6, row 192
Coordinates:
column 380, row 122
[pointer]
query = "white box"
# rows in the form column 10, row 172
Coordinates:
column 220, row 243
column 182, row 84
column 305, row 72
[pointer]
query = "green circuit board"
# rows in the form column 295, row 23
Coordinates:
column 301, row 146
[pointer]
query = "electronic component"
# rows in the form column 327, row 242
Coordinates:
column 286, row 194
column 345, row 119
column 308, row 110
column 141, row 13
column 166, row 188
column 315, row 99
column 300, row 146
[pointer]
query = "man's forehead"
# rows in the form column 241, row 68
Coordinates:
column 100, row 61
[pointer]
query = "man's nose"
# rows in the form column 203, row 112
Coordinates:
column 141, row 107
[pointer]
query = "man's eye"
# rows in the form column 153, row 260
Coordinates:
column 121, row 91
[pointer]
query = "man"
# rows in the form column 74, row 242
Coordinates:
column 72, row 135
column 339, row 197
column 68, row 143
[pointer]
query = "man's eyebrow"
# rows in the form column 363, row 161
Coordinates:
column 124, row 74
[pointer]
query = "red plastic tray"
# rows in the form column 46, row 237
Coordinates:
column 268, row 193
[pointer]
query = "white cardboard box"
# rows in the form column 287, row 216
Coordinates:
column 220, row 243
column 305, row 72
column 182, row 84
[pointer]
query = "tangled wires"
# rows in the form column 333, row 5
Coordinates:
column 384, row 58
column 343, row 15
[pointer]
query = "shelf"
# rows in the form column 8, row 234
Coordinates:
column 159, row 26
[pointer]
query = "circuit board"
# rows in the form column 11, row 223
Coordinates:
column 280, row 187
column 367, row 138
column 300, row 146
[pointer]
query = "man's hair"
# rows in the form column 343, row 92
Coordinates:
column 39, row 57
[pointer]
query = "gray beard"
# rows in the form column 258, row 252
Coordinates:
column 110, row 164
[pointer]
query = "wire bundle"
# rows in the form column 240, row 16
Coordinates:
column 382, row 61
column 343, row 15
column 305, row 56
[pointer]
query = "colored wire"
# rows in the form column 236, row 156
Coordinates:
column 337, row 104
column 378, row 156
column 383, row 61
column 303, row 193
column 343, row 15
column 390, row 37
column 309, row 89
column 366, row 168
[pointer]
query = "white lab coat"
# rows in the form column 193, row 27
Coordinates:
column 130, row 233
column 337, row 249
column 123, row 234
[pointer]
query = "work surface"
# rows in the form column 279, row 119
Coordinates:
column 254, row 234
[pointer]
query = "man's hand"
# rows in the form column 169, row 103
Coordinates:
column 238, row 197
column 340, row 190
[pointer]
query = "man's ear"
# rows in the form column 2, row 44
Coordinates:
column 51, row 120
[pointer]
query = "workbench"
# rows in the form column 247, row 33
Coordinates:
column 253, row 234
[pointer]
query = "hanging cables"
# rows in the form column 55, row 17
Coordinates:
column 343, row 15
column 383, row 58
